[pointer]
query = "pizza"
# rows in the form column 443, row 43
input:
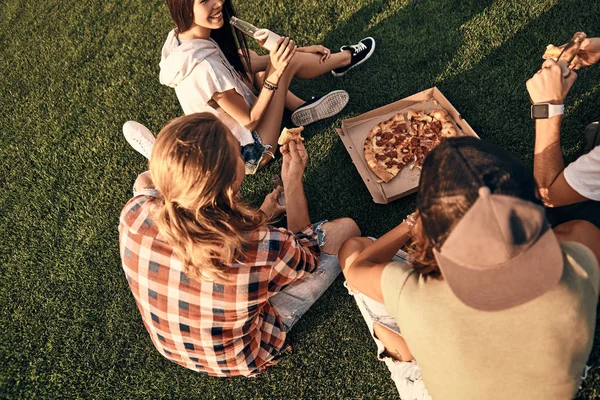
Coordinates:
column 405, row 140
column 292, row 134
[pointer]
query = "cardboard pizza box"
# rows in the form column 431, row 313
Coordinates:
column 354, row 131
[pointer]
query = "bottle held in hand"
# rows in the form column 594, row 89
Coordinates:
column 276, row 180
column 264, row 37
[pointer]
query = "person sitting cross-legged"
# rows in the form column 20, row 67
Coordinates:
column 495, row 304
column 571, row 192
column 217, row 286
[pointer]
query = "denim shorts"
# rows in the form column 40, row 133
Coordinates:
column 406, row 375
column 253, row 153
column 294, row 301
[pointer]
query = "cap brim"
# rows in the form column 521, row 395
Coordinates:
column 523, row 278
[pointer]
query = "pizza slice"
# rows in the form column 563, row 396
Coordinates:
column 382, row 147
column 289, row 135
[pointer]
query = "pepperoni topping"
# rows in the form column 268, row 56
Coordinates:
column 380, row 157
column 392, row 154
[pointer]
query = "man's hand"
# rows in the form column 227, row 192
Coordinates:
column 295, row 157
column 270, row 205
column 548, row 84
column 588, row 54
column 323, row 51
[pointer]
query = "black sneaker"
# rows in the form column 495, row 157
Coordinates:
column 360, row 53
column 319, row 108
column 592, row 136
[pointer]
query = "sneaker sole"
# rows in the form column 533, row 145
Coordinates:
column 328, row 106
column 139, row 137
column 337, row 75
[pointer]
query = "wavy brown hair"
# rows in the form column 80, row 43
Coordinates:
column 421, row 250
column 450, row 180
column 193, row 165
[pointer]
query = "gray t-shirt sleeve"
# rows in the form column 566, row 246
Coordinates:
column 393, row 279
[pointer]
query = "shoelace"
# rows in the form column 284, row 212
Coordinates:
column 359, row 47
column 145, row 145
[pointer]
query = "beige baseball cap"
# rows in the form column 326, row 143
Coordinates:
column 502, row 253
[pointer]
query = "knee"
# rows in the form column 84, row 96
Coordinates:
column 348, row 251
column 349, row 227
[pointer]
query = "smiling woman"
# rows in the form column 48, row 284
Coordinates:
column 212, row 70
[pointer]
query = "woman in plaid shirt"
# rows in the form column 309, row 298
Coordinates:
column 216, row 285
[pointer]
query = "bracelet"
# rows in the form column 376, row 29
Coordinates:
column 410, row 220
column 269, row 86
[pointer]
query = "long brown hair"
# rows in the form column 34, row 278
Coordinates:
column 450, row 179
column 421, row 250
column 229, row 39
column 193, row 166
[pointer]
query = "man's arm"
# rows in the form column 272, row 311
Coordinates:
column 549, row 85
column 548, row 165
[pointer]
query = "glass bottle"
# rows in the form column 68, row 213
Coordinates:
column 264, row 37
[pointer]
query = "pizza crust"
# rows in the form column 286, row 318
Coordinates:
column 292, row 134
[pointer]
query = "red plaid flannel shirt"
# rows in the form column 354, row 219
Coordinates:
column 220, row 330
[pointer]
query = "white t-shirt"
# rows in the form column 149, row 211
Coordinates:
column 197, row 69
column 583, row 174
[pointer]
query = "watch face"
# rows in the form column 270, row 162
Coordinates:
column 539, row 111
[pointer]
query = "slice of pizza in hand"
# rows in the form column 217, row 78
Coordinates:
column 290, row 135
column 553, row 52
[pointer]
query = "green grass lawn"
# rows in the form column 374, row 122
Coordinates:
column 72, row 72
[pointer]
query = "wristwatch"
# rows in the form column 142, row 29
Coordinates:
column 546, row 110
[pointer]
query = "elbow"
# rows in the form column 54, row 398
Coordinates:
column 251, row 124
column 547, row 197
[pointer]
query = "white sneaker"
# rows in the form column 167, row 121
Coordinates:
column 320, row 108
column 139, row 137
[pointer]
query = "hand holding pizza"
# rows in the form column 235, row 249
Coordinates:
column 588, row 54
column 548, row 85
column 295, row 157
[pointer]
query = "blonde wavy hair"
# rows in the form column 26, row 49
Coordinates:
column 193, row 166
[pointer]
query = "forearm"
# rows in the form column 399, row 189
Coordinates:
column 384, row 248
column 259, row 108
column 296, row 205
column 548, row 160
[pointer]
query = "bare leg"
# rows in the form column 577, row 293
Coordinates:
column 394, row 344
column 308, row 65
column 350, row 250
column 303, row 65
column 336, row 233
column 292, row 101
